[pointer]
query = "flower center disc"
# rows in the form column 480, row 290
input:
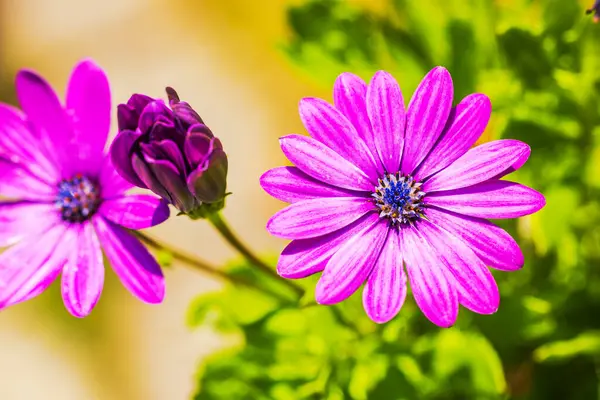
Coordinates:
column 78, row 198
column 398, row 198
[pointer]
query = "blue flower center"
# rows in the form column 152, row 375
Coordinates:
column 78, row 198
column 399, row 198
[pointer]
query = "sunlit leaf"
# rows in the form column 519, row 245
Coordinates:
column 587, row 343
column 366, row 374
column 454, row 350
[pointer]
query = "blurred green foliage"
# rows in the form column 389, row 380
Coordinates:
column 539, row 62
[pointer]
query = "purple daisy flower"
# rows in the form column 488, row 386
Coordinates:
column 67, row 201
column 377, row 188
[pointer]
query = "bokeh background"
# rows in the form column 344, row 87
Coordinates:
column 244, row 65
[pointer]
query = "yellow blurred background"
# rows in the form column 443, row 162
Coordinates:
column 222, row 57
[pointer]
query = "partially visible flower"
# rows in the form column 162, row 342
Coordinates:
column 378, row 188
column 596, row 10
column 69, row 203
column 171, row 152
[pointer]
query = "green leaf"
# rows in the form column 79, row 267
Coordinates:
column 287, row 323
column 461, row 63
column 526, row 57
column 366, row 375
column 413, row 373
column 549, row 225
column 560, row 16
column 255, row 306
column 587, row 343
column 592, row 173
column 455, row 350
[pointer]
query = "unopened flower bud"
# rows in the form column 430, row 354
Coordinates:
column 169, row 150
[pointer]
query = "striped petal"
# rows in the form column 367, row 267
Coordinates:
column 350, row 97
column 330, row 127
column 134, row 265
column 495, row 247
column 351, row 265
column 475, row 285
column 316, row 217
column 385, row 106
column 19, row 220
column 491, row 200
column 17, row 182
column 18, row 145
column 478, row 165
column 136, row 211
column 88, row 101
column 305, row 257
column 426, row 117
column 466, row 123
column 430, row 283
column 385, row 290
column 320, row 162
column 24, row 273
column 291, row 185
column 83, row 275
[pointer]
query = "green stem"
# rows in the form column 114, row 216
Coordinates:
column 219, row 223
column 203, row 266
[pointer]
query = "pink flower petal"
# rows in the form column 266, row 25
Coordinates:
column 385, row 106
column 495, row 247
column 291, row 185
column 18, row 145
column 136, row 211
column 112, row 183
column 327, row 125
column 83, row 274
column 24, row 273
column 305, row 257
column 16, row 182
column 491, row 199
column 320, row 162
column 88, row 101
column 350, row 97
column 351, row 264
column 429, row 281
column 47, row 116
column 475, row 285
column 515, row 165
column 311, row 218
column 385, row 290
column 466, row 123
column 134, row 265
column 426, row 117
column 478, row 165
column 21, row 219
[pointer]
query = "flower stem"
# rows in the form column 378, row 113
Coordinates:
column 201, row 265
column 219, row 223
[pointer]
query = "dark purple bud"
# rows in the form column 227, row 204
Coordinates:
column 184, row 112
column 169, row 150
column 128, row 114
column 196, row 147
column 208, row 181
column 121, row 151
